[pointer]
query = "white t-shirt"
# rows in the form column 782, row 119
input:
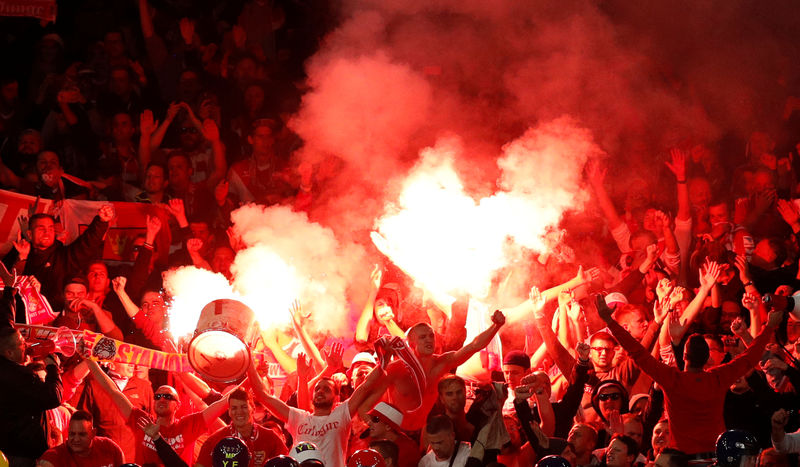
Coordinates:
column 329, row 433
column 429, row 459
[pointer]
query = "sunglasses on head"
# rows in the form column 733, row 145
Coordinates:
column 614, row 396
column 166, row 396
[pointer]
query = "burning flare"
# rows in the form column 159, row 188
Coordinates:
column 448, row 241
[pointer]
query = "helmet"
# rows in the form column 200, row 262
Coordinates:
column 228, row 450
column 281, row 461
column 366, row 458
column 553, row 461
column 305, row 451
column 733, row 445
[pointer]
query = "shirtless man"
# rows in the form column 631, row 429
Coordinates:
column 401, row 384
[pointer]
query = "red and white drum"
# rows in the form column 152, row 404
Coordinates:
column 219, row 350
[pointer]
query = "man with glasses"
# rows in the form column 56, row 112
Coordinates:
column 180, row 433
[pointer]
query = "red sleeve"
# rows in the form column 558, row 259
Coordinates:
column 150, row 329
column 69, row 383
column 661, row 373
column 204, row 458
column 737, row 367
column 136, row 413
column 279, row 448
column 110, row 450
column 192, row 426
column 54, row 455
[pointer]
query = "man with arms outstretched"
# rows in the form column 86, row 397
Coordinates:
column 180, row 434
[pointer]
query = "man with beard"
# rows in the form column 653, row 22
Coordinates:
column 262, row 443
column 178, row 433
column 52, row 262
column 22, row 163
column 452, row 391
column 327, row 427
column 82, row 448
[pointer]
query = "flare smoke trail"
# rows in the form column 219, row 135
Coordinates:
column 286, row 257
column 398, row 75
column 449, row 241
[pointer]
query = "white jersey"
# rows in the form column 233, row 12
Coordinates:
column 330, row 433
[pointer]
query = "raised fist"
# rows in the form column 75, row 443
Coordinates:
column 498, row 318
column 106, row 213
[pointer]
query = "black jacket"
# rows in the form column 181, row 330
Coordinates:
column 58, row 263
column 24, row 398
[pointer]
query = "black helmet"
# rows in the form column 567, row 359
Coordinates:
column 228, row 450
column 733, row 445
column 281, row 461
column 553, row 461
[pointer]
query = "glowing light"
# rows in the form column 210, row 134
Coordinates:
column 286, row 258
column 191, row 289
column 449, row 241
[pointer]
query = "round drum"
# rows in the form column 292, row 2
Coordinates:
column 219, row 350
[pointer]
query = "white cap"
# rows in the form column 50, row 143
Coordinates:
column 305, row 451
column 616, row 297
column 390, row 415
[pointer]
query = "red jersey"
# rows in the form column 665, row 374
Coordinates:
column 694, row 400
column 181, row 435
column 103, row 453
column 263, row 445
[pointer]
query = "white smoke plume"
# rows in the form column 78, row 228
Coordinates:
column 287, row 258
column 450, row 240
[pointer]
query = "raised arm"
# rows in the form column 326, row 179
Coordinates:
column 118, row 284
column 708, row 277
column 362, row 392
column 270, row 338
column 560, row 355
column 211, row 133
column 90, row 242
column 147, row 126
column 158, row 135
column 597, row 177
column 362, row 327
column 582, row 277
column 273, row 404
column 123, row 404
column 103, row 317
column 305, row 373
column 299, row 319
column 678, row 168
column 660, row 372
column 454, row 359
column 217, row 408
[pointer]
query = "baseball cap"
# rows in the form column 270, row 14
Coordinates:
column 616, row 298
column 361, row 358
column 304, row 451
